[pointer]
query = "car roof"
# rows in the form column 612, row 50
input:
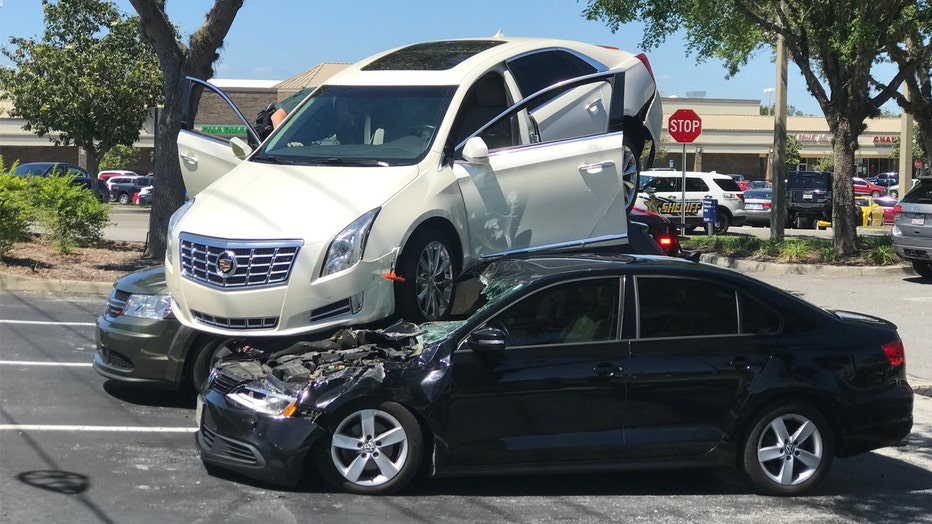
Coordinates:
column 669, row 174
column 459, row 61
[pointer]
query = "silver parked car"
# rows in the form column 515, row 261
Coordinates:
column 757, row 204
column 912, row 228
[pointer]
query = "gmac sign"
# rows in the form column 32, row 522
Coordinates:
column 684, row 126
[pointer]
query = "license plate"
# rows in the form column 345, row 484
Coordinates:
column 199, row 412
column 918, row 221
column 807, row 197
column 754, row 206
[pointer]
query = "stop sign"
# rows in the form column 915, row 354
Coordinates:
column 684, row 125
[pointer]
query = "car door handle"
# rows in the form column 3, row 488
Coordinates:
column 607, row 369
column 188, row 159
column 596, row 167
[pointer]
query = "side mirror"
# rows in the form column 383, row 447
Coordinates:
column 240, row 149
column 475, row 151
column 486, row 339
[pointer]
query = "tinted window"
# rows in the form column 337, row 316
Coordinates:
column 697, row 184
column 574, row 312
column 921, row 194
column 809, row 180
column 431, row 56
column 681, row 307
column 664, row 184
column 758, row 318
column 727, row 184
column 536, row 71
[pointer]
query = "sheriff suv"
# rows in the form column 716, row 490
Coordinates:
column 664, row 195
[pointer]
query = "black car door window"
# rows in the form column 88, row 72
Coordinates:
column 574, row 312
column 684, row 307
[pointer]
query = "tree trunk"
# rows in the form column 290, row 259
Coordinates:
column 845, row 212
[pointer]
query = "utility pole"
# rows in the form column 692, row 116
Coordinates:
column 778, row 158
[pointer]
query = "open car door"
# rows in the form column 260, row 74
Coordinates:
column 204, row 149
column 553, row 171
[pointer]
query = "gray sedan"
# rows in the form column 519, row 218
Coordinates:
column 757, row 204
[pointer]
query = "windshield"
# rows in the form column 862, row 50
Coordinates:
column 361, row 125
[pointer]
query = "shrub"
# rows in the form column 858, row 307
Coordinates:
column 68, row 215
column 15, row 211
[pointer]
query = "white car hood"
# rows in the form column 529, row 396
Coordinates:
column 258, row 201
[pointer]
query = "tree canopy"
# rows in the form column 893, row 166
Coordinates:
column 88, row 81
column 835, row 44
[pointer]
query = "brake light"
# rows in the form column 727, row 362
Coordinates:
column 643, row 58
column 740, row 196
column 897, row 209
column 665, row 241
column 895, row 353
column 767, row 205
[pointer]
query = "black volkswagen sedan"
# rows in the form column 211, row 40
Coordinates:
column 570, row 364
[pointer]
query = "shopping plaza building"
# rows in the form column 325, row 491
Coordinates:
column 735, row 137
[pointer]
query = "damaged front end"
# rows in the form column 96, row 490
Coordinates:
column 258, row 412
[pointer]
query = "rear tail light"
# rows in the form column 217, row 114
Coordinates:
column 665, row 241
column 897, row 209
column 643, row 58
column 895, row 353
column 740, row 196
column 767, row 205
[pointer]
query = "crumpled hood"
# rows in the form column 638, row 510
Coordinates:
column 265, row 201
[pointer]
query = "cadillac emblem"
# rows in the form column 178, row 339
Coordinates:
column 226, row 263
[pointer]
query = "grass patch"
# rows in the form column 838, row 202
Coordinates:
column 874, row 251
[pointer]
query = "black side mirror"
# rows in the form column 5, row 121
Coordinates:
column 486, row 339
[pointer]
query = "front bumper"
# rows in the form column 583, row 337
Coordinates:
column 306, row 303
column 265, row 448
column 142, row 350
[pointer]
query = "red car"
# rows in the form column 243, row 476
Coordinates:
column 863, row 187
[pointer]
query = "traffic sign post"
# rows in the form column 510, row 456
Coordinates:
column 684, row 126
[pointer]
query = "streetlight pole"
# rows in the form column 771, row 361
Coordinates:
column 769, row 92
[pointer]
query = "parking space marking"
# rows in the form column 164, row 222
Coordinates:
column 45, row 323
column 919, row 299
column 110, row 429
column 37, row 363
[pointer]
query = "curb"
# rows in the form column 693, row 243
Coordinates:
column 805, row 269
column 79, row 287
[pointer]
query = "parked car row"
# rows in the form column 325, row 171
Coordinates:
column 324, row 310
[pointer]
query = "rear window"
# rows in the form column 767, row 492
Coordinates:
column 431, row 56
column 809, row 180
column 727, row 184
column 921, row 194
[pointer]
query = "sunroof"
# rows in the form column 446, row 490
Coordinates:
column 431, row 56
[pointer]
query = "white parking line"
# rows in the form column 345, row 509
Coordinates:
column 44, row 323
column 37, row 363
column 110, row 429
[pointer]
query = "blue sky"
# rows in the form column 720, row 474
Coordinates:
column 276, row 39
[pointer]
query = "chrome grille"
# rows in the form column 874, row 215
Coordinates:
column 251, row 263
column 235, row 323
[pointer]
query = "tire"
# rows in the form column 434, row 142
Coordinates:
column 209, row 351
column 894, row 193
column 724, row 220
column 923, row 268
column 631, row 176
column 788, row 451
column 875, row 193
column 124, row 198
column 372, row 449
column 429, row 268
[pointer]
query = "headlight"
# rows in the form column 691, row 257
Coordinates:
column 263, row 400
column 347, row 248
column 148, row 306
column 172, row 223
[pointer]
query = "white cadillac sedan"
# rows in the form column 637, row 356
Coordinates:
column 403, row 170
